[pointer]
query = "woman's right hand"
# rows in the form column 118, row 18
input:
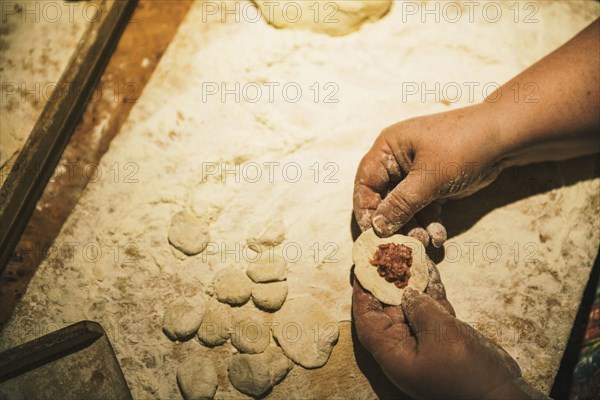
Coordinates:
column 418, row 161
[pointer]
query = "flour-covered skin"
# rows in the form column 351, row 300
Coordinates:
column 456, row 153
column 412, row 343
column 413, row 346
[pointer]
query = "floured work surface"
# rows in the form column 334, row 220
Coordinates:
column 38, row 41
column 113, row 263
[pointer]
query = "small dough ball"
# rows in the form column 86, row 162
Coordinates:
column 231, row 285
column 263, row 236
column 256, row 374
column 267, row 269
column 181, row 320
column 366, row 245
column 197, row 378
column 215, row 328
column 270, row 296
column 306, row 331
column 333, row 18
column 188, row 233
column 438, row 234
column 250, row 332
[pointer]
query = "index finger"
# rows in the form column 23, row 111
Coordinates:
column 376, row 171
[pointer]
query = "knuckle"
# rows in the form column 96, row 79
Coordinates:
column 398, row 206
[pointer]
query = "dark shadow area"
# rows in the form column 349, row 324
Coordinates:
column 515, row 184
column 354, row 229
column 563, row 383
column 436, row 255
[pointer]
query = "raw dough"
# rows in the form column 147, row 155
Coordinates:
column 386, row 292
column 306, row 331
column 197, row 378
column 189, row 232
column 231, row 285
column 264, row 236
column 181, row 320
column 270, row 296
column 334, row 18
column 267, row 269
column 255, row 374
column 438, row 234
column 250, row 332
column 215, row 328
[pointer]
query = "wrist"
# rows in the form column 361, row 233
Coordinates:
column 500, row 149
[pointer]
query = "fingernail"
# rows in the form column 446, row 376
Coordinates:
column 380, row 225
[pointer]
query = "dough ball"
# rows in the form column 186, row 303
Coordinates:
column 256, row 374
column 215, row 328
column 231, row 285
column 181, row 320
column 197, row 378
column 250, row 332
column 334, row 18
column 270, row 296
column 267, row 269
column 263, row 236
column 188, row 233
column 438, row 234
column 306, row 331
column 366, row 245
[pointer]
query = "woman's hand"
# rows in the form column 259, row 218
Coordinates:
column 456, row 153
column 428, row 353
column 418, row 161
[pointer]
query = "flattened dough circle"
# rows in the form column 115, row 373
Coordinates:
column 386, row 292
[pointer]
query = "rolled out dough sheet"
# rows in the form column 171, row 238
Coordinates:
column 519, row 254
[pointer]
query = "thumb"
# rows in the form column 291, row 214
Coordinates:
column 411, row 195
column 423, row 313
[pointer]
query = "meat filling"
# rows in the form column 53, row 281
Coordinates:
column 393, row 262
